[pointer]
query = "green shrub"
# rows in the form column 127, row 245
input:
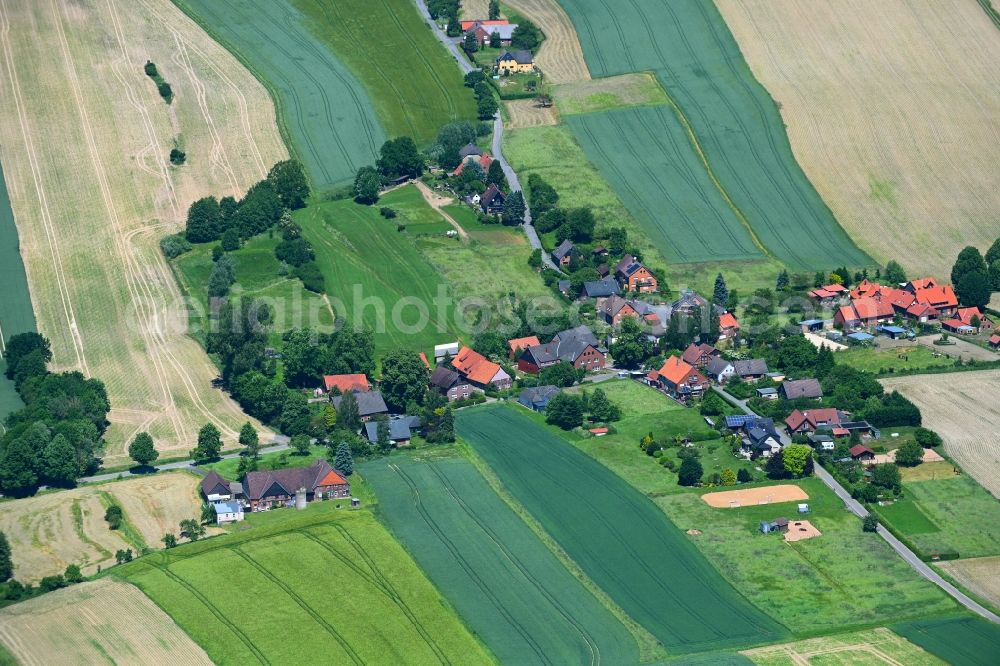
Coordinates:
column 174, row 246
column 312, row 278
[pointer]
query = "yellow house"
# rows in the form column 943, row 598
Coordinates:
column 514, row 62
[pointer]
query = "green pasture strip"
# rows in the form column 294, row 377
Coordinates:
column 510, row 589
column 616, row 536
column 640, row 89
column 967, row 516
column 326, row 115
column 733, row 128
column 905, row 515
column 77, row 510
column 229, row 468
column 128, row 531
column 16, row 314
column 960, row 641
column 253, row 596
column 411, row 79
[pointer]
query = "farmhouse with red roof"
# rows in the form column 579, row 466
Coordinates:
column 479, row 370
column 680, row 379
column 345, row 383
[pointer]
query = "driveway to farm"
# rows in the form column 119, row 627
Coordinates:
column 961, row 348
column 438, row 202
column 449, row 43
column 857, row 509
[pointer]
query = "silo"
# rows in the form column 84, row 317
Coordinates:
column 300, row 499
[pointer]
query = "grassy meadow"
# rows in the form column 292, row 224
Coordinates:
column 887, row 361
column 232, row 593
column 640, row 89
column 511, row 590
column 614, row 533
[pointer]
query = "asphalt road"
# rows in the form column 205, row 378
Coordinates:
column 860, row 511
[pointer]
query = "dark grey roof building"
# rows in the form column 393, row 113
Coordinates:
column 370, row 403
column 801, row 388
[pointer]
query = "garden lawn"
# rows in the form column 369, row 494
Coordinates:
column 616, row 536
column 960, row 641
column 887, row 361
column 327, row 116
column 229, row 467
column 846, row 577
column 412, row 210
column 16, row 315
column 245, row 598
column 967, row 517
column 507, row 586
column 410, row 78
column 718, row 153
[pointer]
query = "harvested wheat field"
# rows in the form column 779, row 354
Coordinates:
column 902, row 143
column 963, row 409
column 561, row 56
column 50, row 531
column 527, row 113
column 981, row 575
column 94, row 623
column 863, row 648
column 751, row 496
column 84, row 140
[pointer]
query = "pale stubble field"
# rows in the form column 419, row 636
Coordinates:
column 84, row 140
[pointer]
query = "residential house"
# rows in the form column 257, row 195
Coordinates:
column 634, row 276
column 862, row 453
column 492, row 200
column 767, row 393
column 537, row 397
column 563, row 254
column 691, row 304
column 801, row 388
column 863, row 312
column 345, row 383
column 750, row 370
column 719, row 369
column 217, row 489
column 469, row 25
column 576, row 346
column 450, row 383
column 811, row 420
column 681, row 379
column 276, row 488
column 614, row 308
column 700, row 355
column 968, row 320
column 517, row 345
column 442, row 352
column 227, row 512
column 829, row 293
column 927, row 291
column 370, row 404
column 729, row 327
column 995, row 341
column 515, row 62
column 484, row 31
column 401, row 430
column 761, row 442
column 484, row 161
column 479, row 370
column 600, row 288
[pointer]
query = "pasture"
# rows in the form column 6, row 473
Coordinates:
column 902, row 143
column 103, row 621
column 979, row 575
column 885, row 361
column 561, row 57
column 16, row 315
column 844, row 577
column 327, row 116
column 875, row 647
column 640, row 89
column 960, row 641
column 966, row 516
column 507, row 586
column 413, row 100
column 963, row 410
column 729, row 165
column 50, row 531
column 85, row 140
column 252, row 596
column 613, row 533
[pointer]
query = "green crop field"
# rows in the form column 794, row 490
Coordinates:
column 326, row 114
column 717, row 153
column 16, row 315
column 410, row 77
column 960, row 641
column 966, row 516
column 617, row 537
column 252, row 596
column 511, row 590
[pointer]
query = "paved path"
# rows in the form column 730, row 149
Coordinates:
column 860, row 511
column 449, row 43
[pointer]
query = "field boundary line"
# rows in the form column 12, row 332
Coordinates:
column 301, row 603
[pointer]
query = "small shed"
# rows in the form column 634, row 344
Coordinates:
column 860, row 337
column 893, row 332
column 769, row 393
column 776, row 525
column 803, row 508
column 598, row 432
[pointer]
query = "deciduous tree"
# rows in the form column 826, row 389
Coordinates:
column 289, row 182
column 367, row 185
column 565, row 410
column 795, row 458
column 909, row 454
column 347, row 412
column 690, row 472
column 969, row 261
column 209, row 443
column 400, row 157
column 300, row 444
column 6, row 563
column 894, row 273
column 404, row 378
column 630, row 347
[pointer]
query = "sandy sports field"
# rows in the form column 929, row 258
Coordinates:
column 981, row 575
column 864, row 648
column 963, row 409
column 93, row 623
column 84, row 140
column 800, row 530
column 51, row 531
column 902, row 143
column 751, row 496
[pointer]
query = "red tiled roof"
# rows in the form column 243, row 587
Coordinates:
column 423, row 358
column 813, row 417
column 694, row 352
column 518, row 344
column 727, row 320
column 860, row 449
column 995, row 339
column 953, row 323
column 346, row 383
column 484, row 161
column 675, row 370
column 476, row 367
column 466, row 25
column 937, row 296
column 869, row 308
column 598, row 431
column 965, row 315
column 847, row 313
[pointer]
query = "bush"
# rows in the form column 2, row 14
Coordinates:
column 387, row 213
column 690, row 472
column 150, row 68
column 744, row 475
column 312, row 278
column 870, row 523
column 165, row 91
column 177, row 156
column 174, row 246
column 114, row 516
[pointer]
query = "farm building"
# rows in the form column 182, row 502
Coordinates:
column 217, row 489
column 822, row 441
column 700, row 355
column 450, row 383
column 276, row 488
column 484, row 31
column 750, row 370
column 401, row 429
column 801, row 388
column 859, row 337
column 826, row 295
column 576, row 346
column 968, row 321
column 862, row 453
column 345, row 383
column 894, row 332
column 634, row 276
column 370, row 404
column 600, row 288
column 768, row 393
column 563, row 254
column 479, row 370
column 227, row 512
column 515, row 62
column 517, row 345
column 537, row 397
column 680, row 379
column 443, row 351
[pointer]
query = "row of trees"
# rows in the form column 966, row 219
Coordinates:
column 567, row 410
column 56, row 436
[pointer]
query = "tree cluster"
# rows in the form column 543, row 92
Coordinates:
column 567, row 411
column 446, row 11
